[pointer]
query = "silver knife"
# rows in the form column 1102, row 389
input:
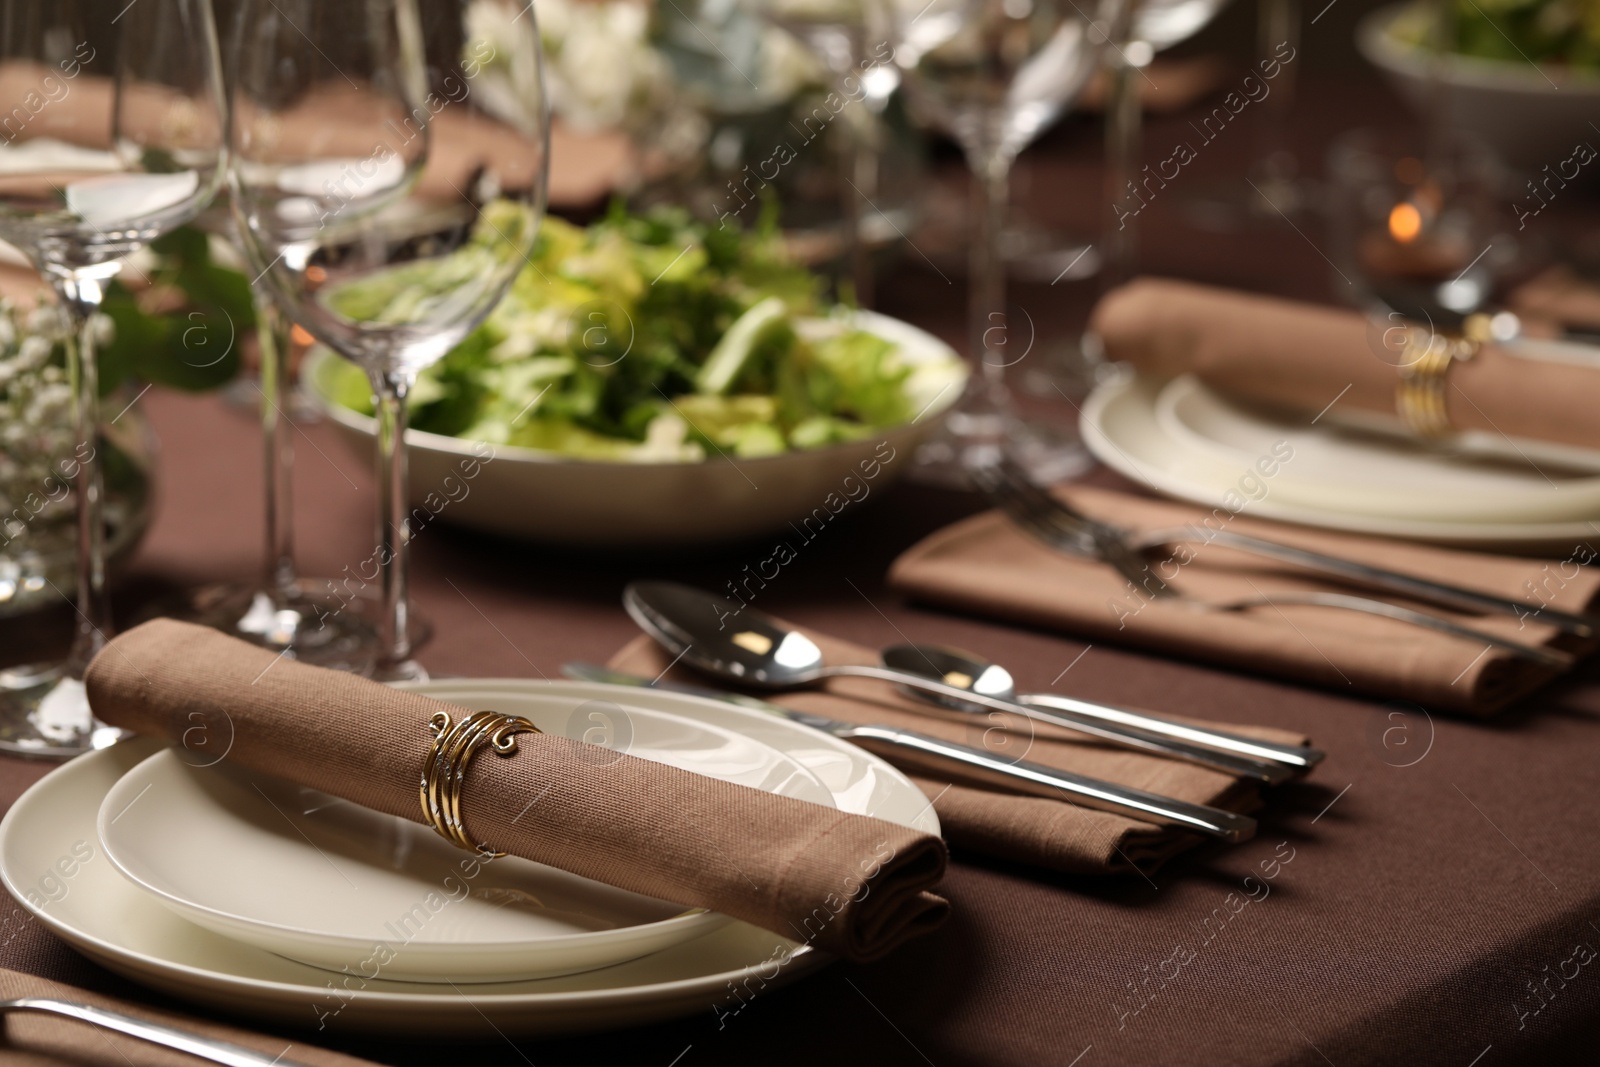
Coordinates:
column 974, row 764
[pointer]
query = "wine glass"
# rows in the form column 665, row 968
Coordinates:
column 113, row 134
column 1419, row 236
column 388, row 172
column 848, row 37
column 1152, row 26
column 280, row 611
column 994, row 74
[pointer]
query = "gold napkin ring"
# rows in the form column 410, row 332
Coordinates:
column 1419, row 396
column 444, row 769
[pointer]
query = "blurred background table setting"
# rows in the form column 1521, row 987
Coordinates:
column 983, row 531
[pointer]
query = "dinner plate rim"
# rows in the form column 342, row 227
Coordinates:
column 1106, row 448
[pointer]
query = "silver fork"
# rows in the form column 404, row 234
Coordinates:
column 204, row 1048
column 1061, row 527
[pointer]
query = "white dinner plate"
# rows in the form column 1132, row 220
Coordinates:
column 1205, row 460
column 1367, row 463
column 321, row 880
column 50, row 860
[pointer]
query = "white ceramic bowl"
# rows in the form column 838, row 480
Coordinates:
column 543, row 496
column 1528, row 115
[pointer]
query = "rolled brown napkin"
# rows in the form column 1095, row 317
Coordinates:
column 1054, row 834
column 1304, row 357
column 769, row 860
column 986, row 565
column 38, row 1040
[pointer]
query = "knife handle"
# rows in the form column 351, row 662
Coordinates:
column 1033, row 779
column 1299, row 759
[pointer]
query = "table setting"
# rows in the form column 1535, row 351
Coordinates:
column 511, row 551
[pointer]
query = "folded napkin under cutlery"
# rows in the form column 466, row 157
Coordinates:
column 1305, row 356
column 769, row 860
column 34, row 1039
column 988, row 566
column 1055, row 834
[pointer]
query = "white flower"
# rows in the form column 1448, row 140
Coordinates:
column 34, row 352
column 102, row 329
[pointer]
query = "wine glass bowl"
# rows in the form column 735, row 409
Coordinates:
column 1160, row 24
column 1416, row 230
column 388, row 175
column 995, row 73
column 112, row 135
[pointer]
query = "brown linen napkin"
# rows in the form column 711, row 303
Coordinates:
column 789, row 866
column 1557, row 299
column 36, row 1040
column 1304, row 357
column 987, row 565
column 1054, row 834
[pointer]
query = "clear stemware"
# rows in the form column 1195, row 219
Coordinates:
column 849, row 38
column 994, row 74
column 388, row 172
column 113, row 135
column 1151, row 27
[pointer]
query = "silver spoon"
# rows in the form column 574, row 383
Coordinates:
column 967, row 671
column 725, row 638
column 699, row 630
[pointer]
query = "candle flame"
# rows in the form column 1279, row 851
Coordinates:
column 1405, row 222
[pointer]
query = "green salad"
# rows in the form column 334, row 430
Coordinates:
column 654, row 338
column 1558, row 32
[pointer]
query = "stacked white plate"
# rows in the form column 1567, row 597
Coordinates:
column 1344, row 470
column 262, row 898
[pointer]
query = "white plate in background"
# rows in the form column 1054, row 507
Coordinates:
column 1121, row 425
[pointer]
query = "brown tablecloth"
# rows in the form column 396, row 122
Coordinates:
column 1438, row 867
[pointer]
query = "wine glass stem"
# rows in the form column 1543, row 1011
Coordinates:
column 1277, row 24
column 80, row 293
column 988, row 300
column 275, row 332
column 1123, row 137
column 852, row 162
column 390, row 389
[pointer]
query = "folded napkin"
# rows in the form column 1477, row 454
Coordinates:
column 1304, row 357
column 32, row 1039
column 987, row 565
column 773, row 861
column 1055, row 834
column 1555, row 300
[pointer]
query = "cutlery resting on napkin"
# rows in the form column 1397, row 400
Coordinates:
column 1054, row 834
column 989, row 566
column 847, row 884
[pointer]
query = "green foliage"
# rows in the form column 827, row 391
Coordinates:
column 650, row 338
column 194, row 347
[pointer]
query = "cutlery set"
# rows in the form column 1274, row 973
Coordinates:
column 1058, row 525
column 746, row 648
column 757, row 651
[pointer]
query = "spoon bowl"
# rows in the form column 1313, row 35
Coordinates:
column 954, row 667
column 724, row 637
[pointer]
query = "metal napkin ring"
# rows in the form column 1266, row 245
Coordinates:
column 444, row 769
column 1419, row 396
